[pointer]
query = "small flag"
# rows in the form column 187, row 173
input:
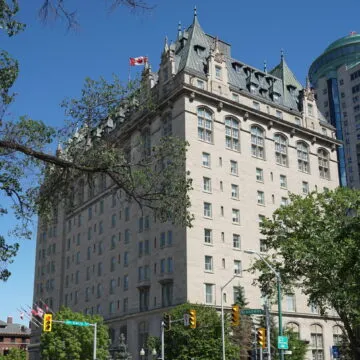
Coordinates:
column 141, row 60
column 22, row 315
column 40, row 311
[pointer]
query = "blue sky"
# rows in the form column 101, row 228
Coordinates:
column 54, row 62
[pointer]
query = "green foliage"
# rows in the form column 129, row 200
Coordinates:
column 202, row 343
column 315, row 242
column 8, row 23
column 14, row 354
column 74, row 342
column 156, row 180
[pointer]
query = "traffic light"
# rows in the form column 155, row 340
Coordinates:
column 192, row 320
column 235, row 315
column 47, row 325
column 261, row 337
column 167, row 321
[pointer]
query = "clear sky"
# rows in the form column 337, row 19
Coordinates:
column 54, row 62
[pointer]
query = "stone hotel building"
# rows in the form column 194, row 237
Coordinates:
column 254, row 137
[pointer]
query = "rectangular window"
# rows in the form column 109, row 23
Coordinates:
column 218, row 72
column 235, row 97
column 234, row 191
column 207, row 184
column 208, row 236
column 310, row 110
column 236, row 216
column 284, row 201
column 209, row 293
column 256, row 105
column 233, row 167
column 237, row 267
column 200, row 84
column 290, row 302
column 236, row 241
column 261, row 198
column 141, row 224
column 305, row 187
column 263, row 247
column 259, row 175
column 207, row 210
column 279, row 114
column 162, row 239
column 208, row 263
column 283, row 181
column 206, row 160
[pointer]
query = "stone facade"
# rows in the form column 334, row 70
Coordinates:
column 254, row 137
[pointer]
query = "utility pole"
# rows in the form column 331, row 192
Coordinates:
column 162, row 340
column 267, row 318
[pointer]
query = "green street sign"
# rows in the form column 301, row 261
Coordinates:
column 76, row 323
column 252, row 312
column 283, row 342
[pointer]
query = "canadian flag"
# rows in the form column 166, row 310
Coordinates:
column 141, row 60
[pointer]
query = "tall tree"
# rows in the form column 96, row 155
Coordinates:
column 315, row 245
column 14, row 354
column 155, row 180
column 202, row 343
column 74, row 342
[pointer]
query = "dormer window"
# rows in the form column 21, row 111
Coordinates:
column 252, row 89
column 276, row 97
column 236, row 66
column 310, row 110
column 199, row 49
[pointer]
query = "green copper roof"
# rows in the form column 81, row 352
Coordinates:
column 346, row 40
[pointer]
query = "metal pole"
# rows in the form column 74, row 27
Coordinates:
column 222, row 316
column 281, row 351
column 95, row 331
column 267, row 314
column 162, row 340
column 222, row 325
column 261, row 353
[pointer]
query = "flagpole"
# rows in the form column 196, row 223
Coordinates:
column 129, row 78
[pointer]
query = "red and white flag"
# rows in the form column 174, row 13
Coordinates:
column 40, row 311
column 141, row 60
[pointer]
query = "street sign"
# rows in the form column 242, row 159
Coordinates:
column 76, row 323
column 283, row 342
column 335, row 351
column 252, row 312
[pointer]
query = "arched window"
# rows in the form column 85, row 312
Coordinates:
column 257, row 142
column 316, row 344
column 303, row 157
column 281, row 153
column 205, row 125
column 337, row 334
column 324, row 170
column 294, row 327
column 232, row 138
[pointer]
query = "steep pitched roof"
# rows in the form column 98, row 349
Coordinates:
column 193, row 47
column 291, row 86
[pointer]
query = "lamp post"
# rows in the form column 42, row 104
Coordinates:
column 142, row 353
column 153, row 353
column 278, row 281
column 222, row 316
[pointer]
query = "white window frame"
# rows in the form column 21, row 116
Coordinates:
column 205, row 125
column 207, row 210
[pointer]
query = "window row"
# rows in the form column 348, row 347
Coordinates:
column 209, row 265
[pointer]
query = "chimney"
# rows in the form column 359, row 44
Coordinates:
column 9, row 320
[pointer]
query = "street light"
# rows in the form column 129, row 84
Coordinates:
column 153, row 353
column 278, row 280
column 222, row 316
column 142, row 353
